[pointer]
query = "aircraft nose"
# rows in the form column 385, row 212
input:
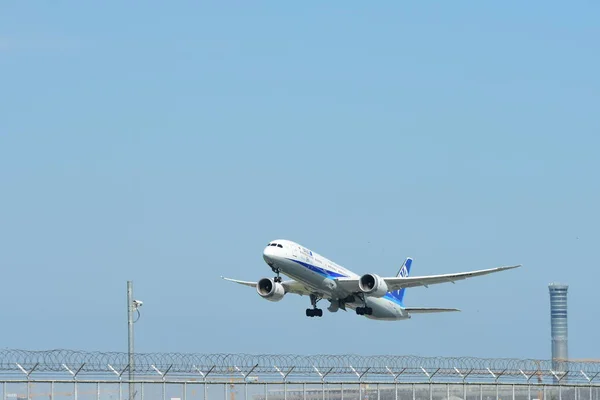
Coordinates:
column 269, row 254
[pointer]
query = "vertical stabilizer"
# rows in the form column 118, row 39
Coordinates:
column 404, row 273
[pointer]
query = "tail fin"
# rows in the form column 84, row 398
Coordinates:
column 403, row 272
column 405, row 268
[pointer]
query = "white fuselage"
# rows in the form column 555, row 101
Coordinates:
column 318, row 273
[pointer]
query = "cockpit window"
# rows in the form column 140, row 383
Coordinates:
column 280, row 246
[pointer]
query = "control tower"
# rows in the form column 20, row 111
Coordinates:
column 558, row 325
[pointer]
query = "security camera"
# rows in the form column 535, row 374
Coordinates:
column 138, row 303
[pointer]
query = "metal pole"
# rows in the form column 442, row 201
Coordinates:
column 130, row 337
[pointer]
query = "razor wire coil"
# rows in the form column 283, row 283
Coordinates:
column 14, row 360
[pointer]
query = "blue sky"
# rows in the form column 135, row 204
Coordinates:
column 168, row 143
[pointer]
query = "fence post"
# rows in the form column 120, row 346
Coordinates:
column 559, row 391
column 544, row 391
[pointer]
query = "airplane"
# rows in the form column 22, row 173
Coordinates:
column 370, row 295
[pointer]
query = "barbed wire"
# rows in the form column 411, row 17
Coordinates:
column 14, row 360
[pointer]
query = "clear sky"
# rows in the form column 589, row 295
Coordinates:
column 168, row 143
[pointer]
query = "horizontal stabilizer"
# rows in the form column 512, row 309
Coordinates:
column 427, row 310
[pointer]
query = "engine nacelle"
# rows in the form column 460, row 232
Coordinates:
column 270, row 290
column 373, row 285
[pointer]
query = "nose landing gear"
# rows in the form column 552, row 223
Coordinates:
column 277, row 277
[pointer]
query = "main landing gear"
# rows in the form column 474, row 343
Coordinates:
column 314, row 312
column 364, row 310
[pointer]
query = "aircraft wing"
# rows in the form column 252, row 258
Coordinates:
column 289, row 286
column 398, row 282
column 427, row 310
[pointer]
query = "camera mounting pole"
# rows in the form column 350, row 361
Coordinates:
column 130, row 307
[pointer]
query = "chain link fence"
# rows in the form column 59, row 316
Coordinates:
column 79, row 375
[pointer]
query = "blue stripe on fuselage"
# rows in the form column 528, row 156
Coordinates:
column 321, row 271
column 332, row 275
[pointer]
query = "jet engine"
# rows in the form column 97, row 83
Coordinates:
column 269, row 289
column 372, row 285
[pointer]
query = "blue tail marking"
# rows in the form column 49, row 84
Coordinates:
column 403, row 272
